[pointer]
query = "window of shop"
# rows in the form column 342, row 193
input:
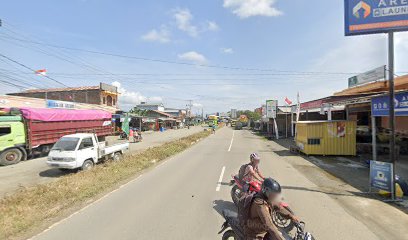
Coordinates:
column 104, row 100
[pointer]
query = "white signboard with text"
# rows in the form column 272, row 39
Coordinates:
column 271, row 108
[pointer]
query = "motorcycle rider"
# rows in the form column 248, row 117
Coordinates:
column 258, row 223
column 252, row 172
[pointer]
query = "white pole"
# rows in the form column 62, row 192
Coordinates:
column 291, row 124
column 374, row 134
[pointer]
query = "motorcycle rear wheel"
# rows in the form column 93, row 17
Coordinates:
column 229, row 235
column 235, row 194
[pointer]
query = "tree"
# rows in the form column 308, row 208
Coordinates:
column 139, row 113
column 254, row 116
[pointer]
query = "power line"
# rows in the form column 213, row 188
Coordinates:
column 63, row 55
column 171, row 62
column 20, row 64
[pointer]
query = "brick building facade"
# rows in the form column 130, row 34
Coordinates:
column 104, row 94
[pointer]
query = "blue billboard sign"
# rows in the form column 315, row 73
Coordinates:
column 59, row 104
column 375, row 16
column 381, row 175
column 380, row 106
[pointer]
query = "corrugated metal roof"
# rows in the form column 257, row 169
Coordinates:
column 61, row 89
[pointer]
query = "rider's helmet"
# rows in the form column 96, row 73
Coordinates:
column 254, row 156
column 270, row 188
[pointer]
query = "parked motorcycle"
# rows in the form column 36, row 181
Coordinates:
column 280, row 221
column 231, row 229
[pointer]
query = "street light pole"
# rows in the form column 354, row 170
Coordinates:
column 391, row 105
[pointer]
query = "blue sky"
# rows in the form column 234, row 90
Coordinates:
column 272, row 43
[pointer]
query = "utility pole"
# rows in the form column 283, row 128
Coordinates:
column 188, row 113
column 392, row 106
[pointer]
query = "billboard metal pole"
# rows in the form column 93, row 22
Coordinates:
column 392, row 105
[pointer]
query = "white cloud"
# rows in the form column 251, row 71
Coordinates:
column 356, row 54
column 184, row 22
column 162, row 35
column 227, row 50
column 193, row 57
column 212, row 26
column 250, row 8
column 129, row 99
column 184, row 19
column 197, row 105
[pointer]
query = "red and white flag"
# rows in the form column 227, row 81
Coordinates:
column 42, row 72
column 287, row 101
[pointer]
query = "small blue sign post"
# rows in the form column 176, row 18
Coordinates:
column 382, row 176
column 379, row 16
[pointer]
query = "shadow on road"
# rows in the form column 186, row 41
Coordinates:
column 220, row 205
column 284, row 153
column 351, row 194
column 53, row 173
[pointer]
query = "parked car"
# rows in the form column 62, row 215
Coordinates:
column 82, row 150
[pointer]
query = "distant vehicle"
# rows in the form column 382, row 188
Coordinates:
column 213, row 117
column 26, row 132
column 82, row 150
column 233, row 123
column 244, row 120
column 238, row 126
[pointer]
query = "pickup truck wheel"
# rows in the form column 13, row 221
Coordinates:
column 117, row 156
column 10, row 156
column 87, row 165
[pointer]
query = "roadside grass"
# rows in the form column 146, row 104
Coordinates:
column 31, row 207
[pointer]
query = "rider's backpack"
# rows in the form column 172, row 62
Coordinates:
column 241, row 173
column 244, row 207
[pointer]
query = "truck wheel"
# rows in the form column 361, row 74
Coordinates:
column 117, row 156
column 87, row 165
column 10, row 156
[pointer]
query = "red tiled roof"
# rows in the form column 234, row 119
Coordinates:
column 163, row 113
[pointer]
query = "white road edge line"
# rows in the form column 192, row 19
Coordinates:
column 83, row 209
column 232, row 140
column 220, row 180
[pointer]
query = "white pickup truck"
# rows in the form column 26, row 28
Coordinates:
column 82, row 150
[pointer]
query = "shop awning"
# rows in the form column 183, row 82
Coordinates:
column 333, row 108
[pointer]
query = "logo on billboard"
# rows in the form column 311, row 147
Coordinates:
column 362, row 7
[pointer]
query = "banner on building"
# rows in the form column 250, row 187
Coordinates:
column 271, row 108
column 59, row 104
column 375, row 16
column 370, row 76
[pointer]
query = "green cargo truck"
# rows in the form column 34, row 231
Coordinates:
column 32, row 131
column 12, row 140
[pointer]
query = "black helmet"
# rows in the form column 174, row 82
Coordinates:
column 270, row 186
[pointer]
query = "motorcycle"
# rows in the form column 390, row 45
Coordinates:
column 280, row 221
column 231, row 229
column 237, row 190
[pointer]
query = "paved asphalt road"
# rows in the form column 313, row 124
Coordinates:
column 35, row 171
column 182, row 198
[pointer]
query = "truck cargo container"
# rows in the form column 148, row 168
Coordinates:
column 25, row 132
